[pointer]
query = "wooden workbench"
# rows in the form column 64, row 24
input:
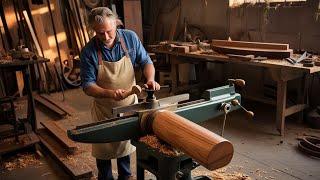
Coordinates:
column 24, row 66
column 281, row 72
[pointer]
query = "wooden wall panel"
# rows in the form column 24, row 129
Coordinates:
column 133, row 17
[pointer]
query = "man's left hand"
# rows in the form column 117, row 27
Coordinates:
column 152, row 85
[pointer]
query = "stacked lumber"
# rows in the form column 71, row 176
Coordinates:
column 76, row 14
column 55, row 141
column 270, row 50
column 60, row 135
column 60, row 108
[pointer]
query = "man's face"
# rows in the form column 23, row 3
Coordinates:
column 106, row 32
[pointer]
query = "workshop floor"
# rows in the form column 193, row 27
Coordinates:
column 260, row 153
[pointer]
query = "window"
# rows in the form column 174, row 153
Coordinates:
column 234, row 3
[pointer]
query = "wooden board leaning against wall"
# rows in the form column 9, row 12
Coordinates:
column 12, row 24
column 51, row 34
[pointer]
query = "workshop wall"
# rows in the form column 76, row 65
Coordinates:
column 295, row 24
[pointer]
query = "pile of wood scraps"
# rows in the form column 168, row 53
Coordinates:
column 21, row 160
column 180, row 47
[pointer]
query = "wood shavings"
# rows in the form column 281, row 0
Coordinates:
column 21, row 161
column 229, row 176
column 222, row 174
column 154, row 142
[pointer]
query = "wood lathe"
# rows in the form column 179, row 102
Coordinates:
column 173, row 120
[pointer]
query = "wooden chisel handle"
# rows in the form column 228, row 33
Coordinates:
column 136, row 89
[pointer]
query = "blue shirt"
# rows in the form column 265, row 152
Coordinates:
column 89, row 58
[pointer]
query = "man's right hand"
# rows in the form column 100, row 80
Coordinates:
column 117, row 95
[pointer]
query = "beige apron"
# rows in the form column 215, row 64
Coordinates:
column 113, row 75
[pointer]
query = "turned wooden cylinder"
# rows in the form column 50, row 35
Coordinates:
column 207, row 148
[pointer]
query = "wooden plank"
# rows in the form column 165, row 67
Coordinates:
column 76, row 22
column 75, row 165
column 20, row 82
column 73, row 32
column 62, row 105
column 44, row 31
column 281, row 105
column 42, row 69
column 2, row 48
column 25, row 140
column 246, row 44
column 295, row 109
column 133, row 17
column 173, row 27
column 60, row 31
column 11, row 21
column 179, row 49
column 60, row 135
column 80, row 6
column 277, row 54
column 3, row 36
column 49, row 105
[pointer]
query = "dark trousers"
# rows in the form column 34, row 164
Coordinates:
column 105, row 168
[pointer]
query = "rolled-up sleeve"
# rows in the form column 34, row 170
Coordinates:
column 142, row 57
column 88, row 69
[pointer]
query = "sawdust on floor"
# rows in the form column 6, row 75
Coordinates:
column 21, row 160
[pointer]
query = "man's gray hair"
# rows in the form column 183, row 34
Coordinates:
column 98, row 15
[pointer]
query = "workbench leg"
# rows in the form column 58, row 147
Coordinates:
column 174, row 73
column 140, row 173
column 302, row 95
column 31, row 105
column 281, row 105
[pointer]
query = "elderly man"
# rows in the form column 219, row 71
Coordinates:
column 107, row 72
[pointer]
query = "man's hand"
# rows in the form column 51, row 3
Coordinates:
column 152, row 85
column 117, row 94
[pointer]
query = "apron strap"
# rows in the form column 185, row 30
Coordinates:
column 124, row 47
column 99, row 52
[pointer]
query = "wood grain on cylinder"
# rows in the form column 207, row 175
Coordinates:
column 209, row 149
